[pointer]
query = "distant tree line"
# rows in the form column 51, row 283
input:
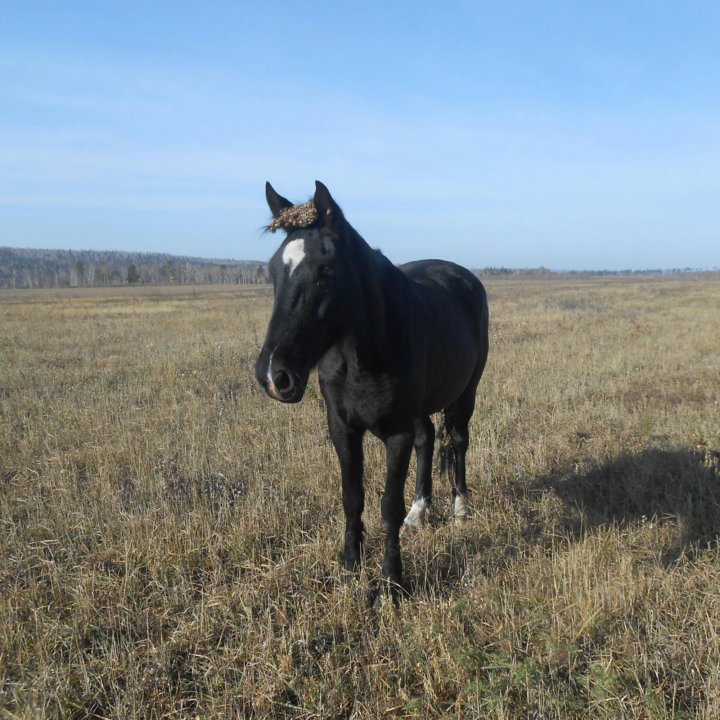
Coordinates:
column 545, row 272
column 31, row 268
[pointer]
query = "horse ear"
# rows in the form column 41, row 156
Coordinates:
column 277, row 203
column 327, row 208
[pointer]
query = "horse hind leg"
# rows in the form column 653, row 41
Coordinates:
column 457, row 421
column 424, row 441
column 454, row 449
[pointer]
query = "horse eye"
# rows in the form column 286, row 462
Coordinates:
column 325, row 272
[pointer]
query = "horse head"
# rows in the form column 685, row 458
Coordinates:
column 317, row 293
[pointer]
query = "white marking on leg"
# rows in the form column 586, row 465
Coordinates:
column 294, row 254
column 416, row 517
column 460, row 507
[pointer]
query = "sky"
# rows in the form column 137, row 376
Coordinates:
column 570, row 135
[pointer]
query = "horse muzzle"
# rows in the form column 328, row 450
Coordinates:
column 280, row 382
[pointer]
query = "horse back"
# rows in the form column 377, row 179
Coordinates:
column 446, row 285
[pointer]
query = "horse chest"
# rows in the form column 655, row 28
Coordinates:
column 362, row 399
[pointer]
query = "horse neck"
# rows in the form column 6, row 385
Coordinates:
column 385, row 320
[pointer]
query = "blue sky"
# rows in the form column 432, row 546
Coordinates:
column 566, row 134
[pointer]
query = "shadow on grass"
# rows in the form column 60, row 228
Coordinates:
column 681, row 486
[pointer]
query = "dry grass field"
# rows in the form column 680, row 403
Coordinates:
column 170, row 538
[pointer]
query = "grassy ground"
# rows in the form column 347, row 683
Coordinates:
column 170, row 538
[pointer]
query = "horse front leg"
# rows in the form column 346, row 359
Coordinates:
column 348, row 446
column 399, row 447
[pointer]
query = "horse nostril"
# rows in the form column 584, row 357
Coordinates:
column 282, row 381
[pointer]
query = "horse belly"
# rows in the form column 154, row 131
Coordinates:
column 453, row 355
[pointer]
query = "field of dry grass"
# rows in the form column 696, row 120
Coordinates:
column 170, row 539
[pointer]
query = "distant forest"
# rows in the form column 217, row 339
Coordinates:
column 30, row 268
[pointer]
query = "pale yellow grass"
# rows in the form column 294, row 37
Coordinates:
column 170, row 538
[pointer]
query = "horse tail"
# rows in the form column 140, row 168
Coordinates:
column 447, row 451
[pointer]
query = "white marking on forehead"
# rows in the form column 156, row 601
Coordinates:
column 294, row 254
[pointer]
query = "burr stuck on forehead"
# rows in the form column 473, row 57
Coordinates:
column 297, row 216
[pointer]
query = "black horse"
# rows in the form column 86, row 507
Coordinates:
column 392, row 344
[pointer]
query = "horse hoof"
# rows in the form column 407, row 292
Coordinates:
column 378, row 599
column 461, row 510
column 410, row 528
column 416, row 519
column 387, row 596
column 348, row 583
